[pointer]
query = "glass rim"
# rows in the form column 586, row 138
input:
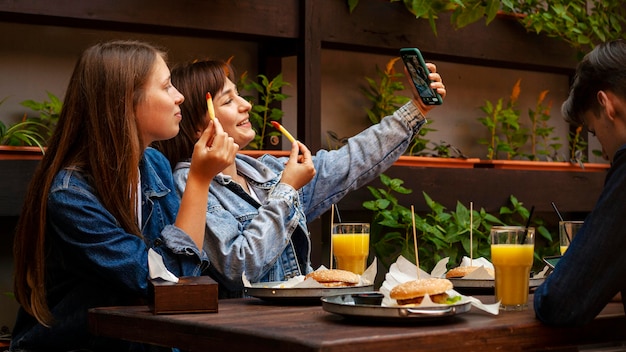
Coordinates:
column 351, row 223
column 512, row 227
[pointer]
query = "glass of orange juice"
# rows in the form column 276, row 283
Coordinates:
column 512, row 249
column 567, row 230
column 351, row 243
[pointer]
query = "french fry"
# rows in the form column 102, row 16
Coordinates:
column 209, row 104
column 284, row 131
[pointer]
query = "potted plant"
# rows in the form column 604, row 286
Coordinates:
column 509, row 136
column 27, row 138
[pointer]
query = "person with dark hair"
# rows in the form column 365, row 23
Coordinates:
column 592, row 270
column 100, row 199
column 259, row 208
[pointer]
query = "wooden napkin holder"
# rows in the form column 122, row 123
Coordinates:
column 191, row 294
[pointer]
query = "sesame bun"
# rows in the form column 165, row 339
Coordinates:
column 412, row 292
column 334, row 277
column 461, row 271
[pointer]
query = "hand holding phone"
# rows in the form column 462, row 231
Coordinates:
column 416, row 66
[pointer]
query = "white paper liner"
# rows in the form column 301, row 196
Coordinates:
column 157, row 268
column 366, row 279
column 403, row 270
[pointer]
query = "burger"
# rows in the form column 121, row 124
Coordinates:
column 462, row 271
column 413, row 292
column 334, row 277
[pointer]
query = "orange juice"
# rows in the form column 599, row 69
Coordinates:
column 567, row 230
column 512, row 263
column 351, row 250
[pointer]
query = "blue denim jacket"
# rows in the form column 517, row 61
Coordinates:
column 593, row 270
column 269, row 241
column 93, row 262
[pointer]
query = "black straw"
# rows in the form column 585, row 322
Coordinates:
column 530, row 215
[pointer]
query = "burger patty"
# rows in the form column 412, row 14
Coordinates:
column 440, row 298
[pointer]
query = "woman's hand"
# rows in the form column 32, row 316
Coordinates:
column 213, row 152
column 436, row 84
column 299, row 169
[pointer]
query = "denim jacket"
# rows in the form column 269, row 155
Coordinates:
column 593, row 269
column 269, row 241
column 93, row 262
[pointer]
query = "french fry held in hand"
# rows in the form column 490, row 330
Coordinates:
column 284, row 131
column 209, row 104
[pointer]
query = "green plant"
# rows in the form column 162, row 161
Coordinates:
column 26, row 132
column 49, row 111
column 580, row 23
column 578, row 146
column 542, row 143
column 261, row 115
column 440, row 233
column 508, row 135
column 382, row 94
column 502, row 120
column 385, row 101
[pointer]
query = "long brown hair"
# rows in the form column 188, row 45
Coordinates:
column 97, row 133
column 193, row 79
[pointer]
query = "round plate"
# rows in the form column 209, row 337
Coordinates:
column 485, row 286
column 344, row 305
column 469, row 283
column 267, row 292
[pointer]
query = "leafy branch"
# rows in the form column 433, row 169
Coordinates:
column 262, row 115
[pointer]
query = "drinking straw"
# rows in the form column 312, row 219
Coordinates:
column 284, row 131
column 209, row 104
column 417, row 260
column 558, row 213
column 338, row 215
column 530, row 215
column 332, row 225
column 471, row 229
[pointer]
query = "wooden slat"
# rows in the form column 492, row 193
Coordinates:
column 273, row 18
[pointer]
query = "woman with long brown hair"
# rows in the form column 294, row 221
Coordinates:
column 101, row 198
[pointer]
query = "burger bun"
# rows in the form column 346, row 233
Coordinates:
column 334, row 277
column 462, row 271
column 413, row 292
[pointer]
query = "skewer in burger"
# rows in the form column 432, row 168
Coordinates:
column 413, row 292
column 334, row 277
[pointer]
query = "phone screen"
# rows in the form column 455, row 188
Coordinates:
column 551, row 261
column 419, row 75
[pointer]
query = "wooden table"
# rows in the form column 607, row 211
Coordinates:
column 254, row 325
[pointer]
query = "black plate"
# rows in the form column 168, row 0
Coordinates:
column 344, row 305
column 268, row 292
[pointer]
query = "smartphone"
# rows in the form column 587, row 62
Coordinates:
column 551, row 261
column 416, row 66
